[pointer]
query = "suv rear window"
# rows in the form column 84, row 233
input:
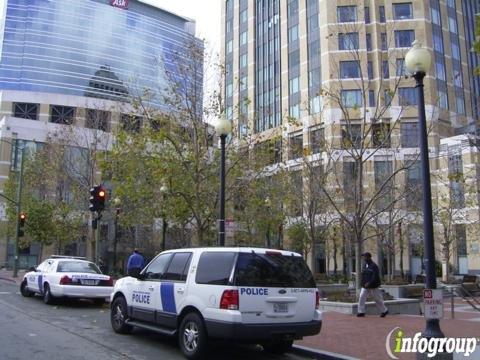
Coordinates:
column 214, row 268
column 272, row 270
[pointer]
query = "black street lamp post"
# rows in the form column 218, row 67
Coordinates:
column 117, row 202
column 223, row 128
column 417, row 62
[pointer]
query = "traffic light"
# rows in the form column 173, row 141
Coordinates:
column 97, row 198
column 21, row 224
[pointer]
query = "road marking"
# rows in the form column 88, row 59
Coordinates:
column 5, row 292
column 32, row 334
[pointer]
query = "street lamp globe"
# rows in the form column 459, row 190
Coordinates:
column 223, row 127
column 163, row 189
column 418, row 59
column 117, row 201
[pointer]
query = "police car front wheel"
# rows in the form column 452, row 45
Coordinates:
column 192, row 336
column 24, row 290
column 118, row 316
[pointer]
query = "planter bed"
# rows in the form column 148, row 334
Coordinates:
column 397, row 306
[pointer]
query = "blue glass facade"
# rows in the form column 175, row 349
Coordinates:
column 90, row 48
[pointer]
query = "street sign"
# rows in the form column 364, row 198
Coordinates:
column 433, row 301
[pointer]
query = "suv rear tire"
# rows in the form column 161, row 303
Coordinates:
column 192, row 336
column 24, row 290
column 278, row 346
column 118, row 316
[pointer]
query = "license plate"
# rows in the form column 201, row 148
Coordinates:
column 280, row 308
column 88, row 282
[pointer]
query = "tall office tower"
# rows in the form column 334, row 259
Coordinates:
column 316, row 72
column 69, row 63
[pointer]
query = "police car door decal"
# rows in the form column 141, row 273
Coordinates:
column 168, row 297
column 40, row 280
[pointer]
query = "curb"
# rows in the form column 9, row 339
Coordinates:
column 7, row 279
column 319, row 354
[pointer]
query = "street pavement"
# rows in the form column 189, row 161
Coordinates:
column 342, row 336
column 79, row 330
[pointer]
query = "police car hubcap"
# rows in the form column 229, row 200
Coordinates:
column 190, row 336
column 118, row 317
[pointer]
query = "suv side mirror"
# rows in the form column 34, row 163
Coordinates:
column 32, row 268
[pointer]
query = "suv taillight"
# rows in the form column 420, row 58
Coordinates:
column 317, row 300
column 109, row 282
column 65, row 280
column 229, row 300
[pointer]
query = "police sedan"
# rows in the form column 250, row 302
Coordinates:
column 67, row 277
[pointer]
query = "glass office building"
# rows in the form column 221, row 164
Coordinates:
column 96, row 48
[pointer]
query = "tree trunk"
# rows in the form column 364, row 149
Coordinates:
column 358, row 265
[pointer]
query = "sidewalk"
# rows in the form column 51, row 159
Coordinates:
column 365, row 338
column 7, row 275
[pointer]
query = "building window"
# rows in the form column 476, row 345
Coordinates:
column 26, row 111
column 312, row 23
column 383, row 39
column 243, row 83
column 349, row 69
column 400, row 67
column 404, row 38
column 229, row 46
column 243, row 16
column 294, row 85
column 371, row 98
column 367, row 15
column 442, row 99
column 346, row 14
column 387, row 96
column 293, row 33
column 438, row 42
column 295, row 146
column 409, row 134
column 402, row 11
column 294, row 111
column 385, row 69
column 413, row 185
column 381, row 135
column 315, row 104
column 62, row 114
column 440, row 69
column 352, row 136
column 243, row 38
column 97, row 119
column 350, row 171
column 294, row 58
column 317, row 140
column 407, row 96
column 352, row 98
column 369, row 42
column 460, row 104
column 370, row 70
column 292, row 8
column 348, row 41
column 455, row 174
column 383, row 184
column 243, row 60
column 381, row 10
column 130, row 122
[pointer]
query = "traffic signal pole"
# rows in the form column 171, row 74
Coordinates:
column 98, row 196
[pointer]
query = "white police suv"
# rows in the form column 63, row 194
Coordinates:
column 65, row 276
column 246, row 294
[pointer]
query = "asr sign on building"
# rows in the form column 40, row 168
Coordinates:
column 122, row 4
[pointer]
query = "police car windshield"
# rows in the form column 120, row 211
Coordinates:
column 78, row 267
column 272, row 270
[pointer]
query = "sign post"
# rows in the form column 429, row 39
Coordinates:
column 433, row 302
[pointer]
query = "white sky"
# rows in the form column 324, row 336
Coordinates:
column 206, row 13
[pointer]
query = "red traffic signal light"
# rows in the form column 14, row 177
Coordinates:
column 97, row 198
column 21, row 223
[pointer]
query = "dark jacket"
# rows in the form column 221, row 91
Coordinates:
column 370, row 276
